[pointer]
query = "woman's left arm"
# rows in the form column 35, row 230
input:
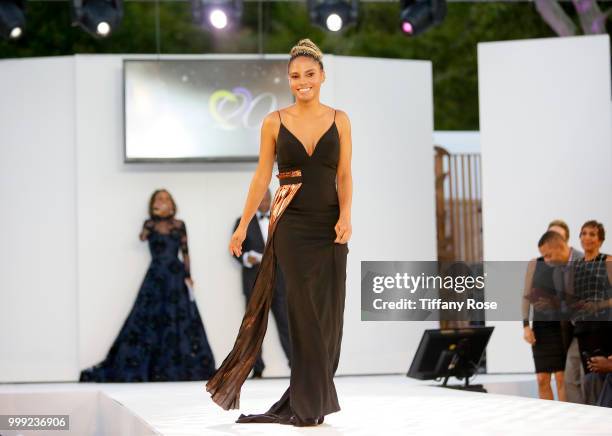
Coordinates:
column 344, row 179
column 185, row 252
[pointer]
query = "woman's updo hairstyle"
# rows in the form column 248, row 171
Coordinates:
column 305, row 47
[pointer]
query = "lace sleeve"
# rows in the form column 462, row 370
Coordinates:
column 184, row 247
column 147, row 227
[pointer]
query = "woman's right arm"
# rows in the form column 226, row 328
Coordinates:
column 147, row 227
column 260, row 181
column 526, row 302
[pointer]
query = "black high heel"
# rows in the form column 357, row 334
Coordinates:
column 308, row 422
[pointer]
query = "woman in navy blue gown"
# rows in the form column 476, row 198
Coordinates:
column 163, row 338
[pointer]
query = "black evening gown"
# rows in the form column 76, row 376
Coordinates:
column 305, row 210
column 163, row 338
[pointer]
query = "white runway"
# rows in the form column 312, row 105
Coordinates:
column 371, row 405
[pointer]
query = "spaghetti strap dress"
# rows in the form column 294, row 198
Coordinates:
column 301, row 235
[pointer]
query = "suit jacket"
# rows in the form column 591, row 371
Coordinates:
column 253, row 241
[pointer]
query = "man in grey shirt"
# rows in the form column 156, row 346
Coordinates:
column 573, row 366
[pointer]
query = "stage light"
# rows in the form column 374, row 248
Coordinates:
column 407, row 27
column 419, row 15
column 334, row 22
column 12, row 19
column 16, row 32
column 333, row 15
column 103, row 28
column 218, row 19
column 217, row 14
column 98, row 17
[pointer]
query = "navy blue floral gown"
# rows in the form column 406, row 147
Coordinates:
column 163, row 338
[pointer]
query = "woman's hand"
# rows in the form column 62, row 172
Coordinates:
column 343, row 230
column 238, row 238
column 591, row 307
column 528, row 335
column 546, row 304
column 189, row 282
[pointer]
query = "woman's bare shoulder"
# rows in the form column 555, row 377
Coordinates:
column 532, row 263
column 342, row 114
column 271, row 122
column 343, row 122
column 272, row 116
column 342, row 117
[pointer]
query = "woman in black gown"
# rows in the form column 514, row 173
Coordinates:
column 163, row 338
column 310, row 226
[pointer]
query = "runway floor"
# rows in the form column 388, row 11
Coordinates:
column 371, row 405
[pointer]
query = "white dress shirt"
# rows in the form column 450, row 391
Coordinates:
column 263, row 220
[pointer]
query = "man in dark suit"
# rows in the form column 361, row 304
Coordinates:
column 252, row 250
column 598, row 382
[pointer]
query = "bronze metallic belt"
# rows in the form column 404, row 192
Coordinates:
column 290, row 177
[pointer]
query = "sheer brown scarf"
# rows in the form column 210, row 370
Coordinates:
column 225, row 384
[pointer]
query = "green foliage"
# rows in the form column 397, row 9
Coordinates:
column 451, row 46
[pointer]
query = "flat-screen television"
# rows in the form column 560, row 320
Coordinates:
column 449, row 352
column 199, row 110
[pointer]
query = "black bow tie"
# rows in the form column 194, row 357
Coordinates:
column 264, row 215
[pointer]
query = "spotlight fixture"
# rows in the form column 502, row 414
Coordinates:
column 419, row 15
column 333, row 15
column 12, row 19
column 98, row 17
column 217, row 15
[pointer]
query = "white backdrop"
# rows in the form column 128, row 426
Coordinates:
column 101, row 264
column 546, row 138
column 38, row 262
